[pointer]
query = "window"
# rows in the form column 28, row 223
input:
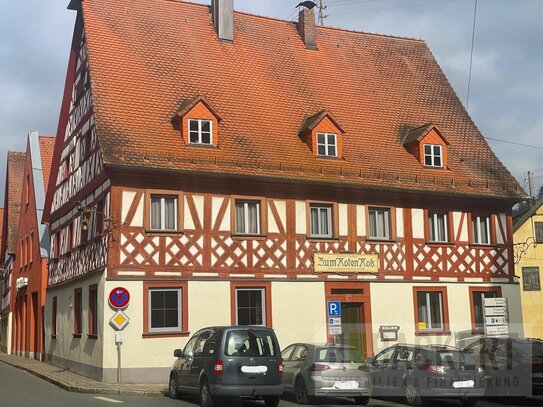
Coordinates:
column 93, row 311
column 247, row 217
column 538, row 226
column 250, row 306
column 30, row 246
column 100, row 217
column 481, row 229
column 163, row 212
column 165, row 309
column 327, row 144
column 477, row 304
column 530, row 279
column 379, row 223
column 165, row 305
column 433, row 154
column 320, row 220
column 54, row 318
column 437, row 225
column 78, row 312
column 200, row 131
column 431, row 313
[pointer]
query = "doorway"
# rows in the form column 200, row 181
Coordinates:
column 35, row 329
column 352, row 324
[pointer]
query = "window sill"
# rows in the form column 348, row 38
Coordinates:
column 146, row 335
column 375, row 240
column 482, row 245
column 328, row 157
column 433, row 243
column 248, row 237
column 78, row 336
column 198, row 145
column 432, row 333
column 152, row 232
column 92, row 336
column 322, row 239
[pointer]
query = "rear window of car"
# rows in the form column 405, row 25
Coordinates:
column 455, row 359
column 339, row 355
column 249, row 342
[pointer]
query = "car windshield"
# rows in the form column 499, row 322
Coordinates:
column 249, row 342
column 339, row 355
column 455, row 359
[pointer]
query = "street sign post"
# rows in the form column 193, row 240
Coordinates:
column 334, row 309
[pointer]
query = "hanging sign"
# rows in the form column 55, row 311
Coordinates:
column 345, row 263
column 119, row 297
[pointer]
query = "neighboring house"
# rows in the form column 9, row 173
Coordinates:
column 528, row 244
column 205, row 165
column 10, row 227
column 29, row 275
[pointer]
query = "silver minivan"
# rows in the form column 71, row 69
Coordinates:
column 327, row 370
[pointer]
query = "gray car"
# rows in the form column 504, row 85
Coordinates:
column 229, row 361
column 327, row 370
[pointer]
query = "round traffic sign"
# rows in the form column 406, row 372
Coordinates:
column 119, row 297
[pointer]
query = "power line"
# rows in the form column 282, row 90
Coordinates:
column 471, row 54
column 516, row 144
column 392, row 7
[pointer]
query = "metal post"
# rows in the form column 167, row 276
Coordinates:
column 118, row 362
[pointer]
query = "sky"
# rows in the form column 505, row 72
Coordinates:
column 505, row 96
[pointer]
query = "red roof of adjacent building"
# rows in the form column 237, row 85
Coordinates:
column 12, row 201
column 47, row 146
column 147, row 58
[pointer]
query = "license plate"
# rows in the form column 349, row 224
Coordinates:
column 464, row 385
column 254, row 369
column 346, row 385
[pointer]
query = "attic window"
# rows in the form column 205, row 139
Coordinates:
column 200, row 131
column 327, row 144
column 433, row 155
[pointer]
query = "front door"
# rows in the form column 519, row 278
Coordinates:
column 352, row 324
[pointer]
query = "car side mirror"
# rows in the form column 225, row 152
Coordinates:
column 369, row 361
column 178, row 353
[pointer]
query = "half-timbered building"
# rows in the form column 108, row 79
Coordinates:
column 207, row 160
column 29, row 275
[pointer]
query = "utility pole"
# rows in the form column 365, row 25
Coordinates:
column 322, row 16
column 530, row 181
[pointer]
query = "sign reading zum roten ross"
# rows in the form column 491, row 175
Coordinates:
column 345, row 263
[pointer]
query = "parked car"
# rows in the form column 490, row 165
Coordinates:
column 311, row 370
column 418, row 372
column 229, row 361
column 513, row 367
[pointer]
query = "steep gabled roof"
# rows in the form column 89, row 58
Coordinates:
column 47, row 146
column 265, row 84
column 12, row 201
column 527, row 215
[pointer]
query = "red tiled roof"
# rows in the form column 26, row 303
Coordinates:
column 12, row 199
column 47, row 146
column 147, row 58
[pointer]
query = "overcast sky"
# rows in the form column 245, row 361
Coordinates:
column 506, row 96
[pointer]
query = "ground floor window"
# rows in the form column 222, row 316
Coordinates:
column 165, row 308
column 477, row 296
column 93, row 311
column 431, row 314
column 251, row 304
column 54, row 318
column 78, row 312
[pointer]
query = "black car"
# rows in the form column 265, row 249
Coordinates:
column 229, row 361
column 418, row 372
column 513, row 367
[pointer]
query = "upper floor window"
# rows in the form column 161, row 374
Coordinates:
column 538, row 226
column 379, row 223
column 433, row 155
column 437, row 225
column 327, row 144
column 481, row 229
column 247, row 217
column 163, row 212
column 200, row 131
column 321, row 220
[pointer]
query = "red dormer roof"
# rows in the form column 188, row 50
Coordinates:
column 419, row 133
column 265, row 84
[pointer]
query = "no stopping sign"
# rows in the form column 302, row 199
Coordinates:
column 119, row 297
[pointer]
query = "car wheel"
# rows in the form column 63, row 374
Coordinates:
column 272, row 401
column 172, row 387
column 300, row 392
column 362, row 400
column 412, row 396
column 206, row 399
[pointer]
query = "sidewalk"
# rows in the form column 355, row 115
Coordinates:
column 73, row 382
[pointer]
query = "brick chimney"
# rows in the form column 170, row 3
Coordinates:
column 306, row 28
column 222, row 12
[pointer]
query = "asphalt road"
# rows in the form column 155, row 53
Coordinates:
column 19, row 388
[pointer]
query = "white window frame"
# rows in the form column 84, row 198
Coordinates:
column 386, row 226
column 262, row 291
column 200, row 131
column 476, row 227
column 246, row 203
column 179, row 326
column 319, row 226
column 163, row 211
column 433, row 156
column 433, row 219
column 428, row 312
column 327, row 145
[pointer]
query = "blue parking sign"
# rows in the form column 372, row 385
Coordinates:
column 334, row 308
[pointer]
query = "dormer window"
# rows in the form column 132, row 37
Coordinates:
column 327, row 144
column 200, row 131
column 433, row 155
